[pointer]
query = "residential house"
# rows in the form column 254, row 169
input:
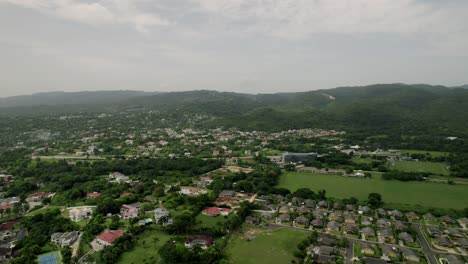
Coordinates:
column 326, row 240
column 80, row 213
column 396, row 214
column 215, row 211
column 65, row 239
column 454, row 259
column 39, row 196
column 434, row 230
column 351, row 228
column 399, row 225
column 368, row 232
column 302, row 220
column 118, row 177
column 463, row 222
column 462, row 243
column 455, row 232
column 447, row 219
column 350, row 207
column 317, row 223
column 364, row 210
column 252, row 220
column 192, row 191
column 107, row 238
column 284, row 217
column 350, row 219
column 366, row 221
column 333, row 226
column 324, row 250
column 406, row 237
column 336, row 217
column 162, row 216
column 93, row 195
column 201, row 241
column 367, row 249
column 337, row 206
column 227, row 194
column 302, row 210
column 386, row 234
column 381, row 212
column 383, row 223
column 389, row 251
column 443, row 241
column 284, row 209
column 324, row 259
column 409, row 254
column 129, row 211
column 412, row 216
column 322, row 204
column 429, row 217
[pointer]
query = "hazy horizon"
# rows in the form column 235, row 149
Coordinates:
column 229, row 45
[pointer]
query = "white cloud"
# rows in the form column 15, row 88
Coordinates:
column 97, row 12
column 300, row 18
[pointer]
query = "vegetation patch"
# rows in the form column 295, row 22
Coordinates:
column 275, row 246
column 413, row 193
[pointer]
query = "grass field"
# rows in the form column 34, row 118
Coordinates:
column 432, row 153
column 209, row 221
column 145, row 248
column 267, row 247
column 436, row 195
column 421, row 166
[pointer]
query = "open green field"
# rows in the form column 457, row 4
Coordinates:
column 421, row 166
column 209, row 221
column 145, row 248
column 432, row 153
column 267, row 247
column 437, row 195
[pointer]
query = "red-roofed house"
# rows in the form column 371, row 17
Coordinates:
column 93, row 195
column 108, row 238
column 215, row 211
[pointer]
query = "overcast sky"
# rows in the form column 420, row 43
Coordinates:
column 230, row 45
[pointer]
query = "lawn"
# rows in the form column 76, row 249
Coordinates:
column 44, row 210
column 436, row 195
column 266, row 247
column 422, row 166
column 432, row 153
column 145, row 248
column 209, row 221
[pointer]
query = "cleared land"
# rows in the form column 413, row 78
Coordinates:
column 146, row 248
column 421, row 166
column 414, row 193
column 265, row 246
column 432, row 153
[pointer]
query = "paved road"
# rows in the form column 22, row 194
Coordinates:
column 425, row 245
column 428, row 251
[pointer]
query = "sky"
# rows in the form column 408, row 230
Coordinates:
column 251, row 46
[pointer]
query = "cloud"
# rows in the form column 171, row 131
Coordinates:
column 97, row 12
column 300, row 18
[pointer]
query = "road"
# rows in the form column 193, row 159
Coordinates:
column 428, row 251
column 425, row 245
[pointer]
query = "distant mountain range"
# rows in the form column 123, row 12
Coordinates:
column 380, row 106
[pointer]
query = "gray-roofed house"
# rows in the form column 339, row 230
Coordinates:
column 366, row 221
column 302, row 220
column 409, row 254
column 389, row 251
column 317, row 223
column 406, row 237
column 65, row 239
column 333, row 226
column 383, row 223
column 454, row 259
column 252, row 220
column 368, row 231
column 284, row 217
column 322, row 204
